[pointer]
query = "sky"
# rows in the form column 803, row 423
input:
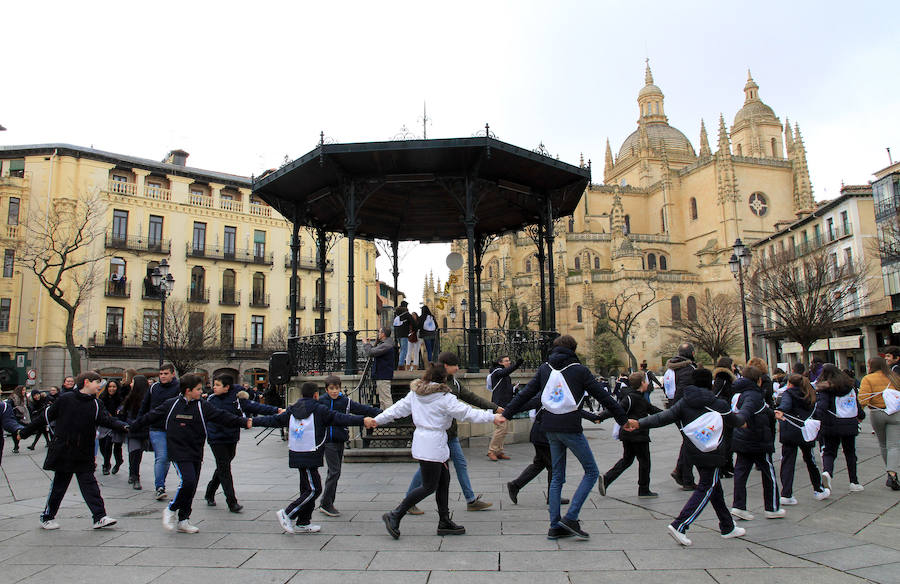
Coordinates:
column 241, row 85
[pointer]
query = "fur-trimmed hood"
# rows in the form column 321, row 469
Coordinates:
column 725, row 372
column 422, row 388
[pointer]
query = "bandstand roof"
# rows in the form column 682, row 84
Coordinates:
column 415, row 189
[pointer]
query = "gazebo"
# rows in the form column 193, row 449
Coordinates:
column 429, row 191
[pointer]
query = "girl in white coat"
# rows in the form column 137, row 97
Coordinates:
column 433, row 409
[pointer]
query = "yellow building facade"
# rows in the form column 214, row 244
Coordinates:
column 665, row 216
column 228, row 252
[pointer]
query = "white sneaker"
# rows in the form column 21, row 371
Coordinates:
column 105, row 521
column 49, row 525
column 826, row 479
column 788, row 501
column 822, row 495
column 308, row 528
column 169, row 519
column 776, row 514
column 856, row 488
column 184, row 526
column 736, row 532
column 678, row 536
column 742, row 514
column 285, row 521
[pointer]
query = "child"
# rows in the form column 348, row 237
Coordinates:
column 8, row 422
column 38, row 404
column 697, row 400
column 307, row 420
column 223, row 441
column 433, row 408
column 840, row 425
column 635, row 444
column 183, row 420
column 77, row 414
column 754, row 445
column 335, row 437
column 796, row 405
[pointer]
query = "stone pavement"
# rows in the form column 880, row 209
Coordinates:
column 848, row 538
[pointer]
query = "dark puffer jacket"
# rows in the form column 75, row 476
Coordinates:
column 694, row 403
column 7, row 422
column 345, row 405
column 501, row 384
column 793, row 403
column 684, row 374
column 751, row 405
column 636, row 407
column 158, row 394
column 723, row 380
column 825, row 411
column 579, row 379
column 231, row 403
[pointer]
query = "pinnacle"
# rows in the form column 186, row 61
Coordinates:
column 648, row 75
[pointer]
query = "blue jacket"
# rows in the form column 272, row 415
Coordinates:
column 322, row 417
column 793, row 403
column 158, row 395
column 382, row 353
column 339, row 434
column 218, row 434
column 758, row 436
column 825, row 409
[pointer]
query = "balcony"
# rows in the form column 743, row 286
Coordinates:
column 259, row 300
column 308, row 263
column 839, row 232
column 139, row 243
column 205, row 201
column 231, row 205
column 121, row 188
column 157, row 193
column 317, row 305
column 260, row 210
column 301, row 302
column 12, row 231
column 198, row 295
column 229, row 297
column 117, row 289
column 218, row 252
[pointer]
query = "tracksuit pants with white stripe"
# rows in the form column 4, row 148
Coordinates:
column 189, row 473
column 310, row 488
column 743, row 464
column 709, row 490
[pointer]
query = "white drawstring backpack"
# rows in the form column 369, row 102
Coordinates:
column 705, row 432
column 556, row 396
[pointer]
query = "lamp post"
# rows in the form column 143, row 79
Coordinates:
column 164, row 282
column 463, row 305
column 740, row 259
column 453, row 314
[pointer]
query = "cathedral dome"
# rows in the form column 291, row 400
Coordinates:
column 660, row 135
column 754, row 109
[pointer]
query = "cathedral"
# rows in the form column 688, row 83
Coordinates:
column 658, row 231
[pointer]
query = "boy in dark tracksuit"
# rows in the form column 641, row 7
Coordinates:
column 336, row 437
column 307, row 421
column 635, row 444
column 184, row 421
column 223, row 440
column 697, row 400
column 8, row 422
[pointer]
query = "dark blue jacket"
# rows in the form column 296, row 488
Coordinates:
column 501, row 384
column 322, row 417
column 231, row 403
column 382, row 354
column 825, row 411
column 157, row 395
column 537, row 434
column 343, row 404
column 579, row 379
column 8, row 422
column 758, row 435
column 794, row 404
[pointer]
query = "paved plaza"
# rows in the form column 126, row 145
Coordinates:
column 848, row 538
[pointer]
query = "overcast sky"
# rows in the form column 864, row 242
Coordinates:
column 241, row 85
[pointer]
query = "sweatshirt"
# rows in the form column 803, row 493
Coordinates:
column 158, row 394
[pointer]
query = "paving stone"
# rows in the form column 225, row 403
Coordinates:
column 216, row 558
column 82, row 556
column 487, row 561
column 165, row 539
column 361, row 577
column 855, row 557
column 493, row 578
column 15, row 573
column 806, row 544
column 883, row 574
column 504, row 543
column 426, row 543
column 564, row 561
column 645, row 576
column 691, row 558
column 299, row 559
column 783, row 576
column 72, row 574
column 225, row 576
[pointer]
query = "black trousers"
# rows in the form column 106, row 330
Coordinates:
column 134, row 463
column 224, row 454
column 630, row 452
column 709, row 490
column 45, row 433
column 683, row 468
column 542, row 461
column 90, row 490
column 789, row 461
column 189, row 473
column 435, row 479
column 829, row 453
column 743, row 464
column 334, row 456
column 110, row 449
column 302, row 507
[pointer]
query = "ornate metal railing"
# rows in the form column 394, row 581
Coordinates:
column 531, row 346
column 326, row 352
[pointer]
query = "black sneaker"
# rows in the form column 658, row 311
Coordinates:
column 558, row 533
column 892, row 482
column 235, row 507
column 105, row 470
column 161, row 494
column 574, row 527
column 329, row 510
column 677, row 478
column 391, row 524
column 210, row 502
column 601, row 485
column 648, row 494
column 513, row 492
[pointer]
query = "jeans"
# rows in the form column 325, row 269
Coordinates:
column 459, row 464
column 404, row 347
column 578, row 444
column 429, row 348
column 161, row 457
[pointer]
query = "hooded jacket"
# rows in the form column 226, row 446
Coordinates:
column 579, row 379
column 501, row 384
column 684, row 374
column 322, row 418
column 723, row 380
column 158, row 394
column 636, row 407
column 758, row 436
column 694, row 403
column 236, row 406
column 382, row 353
column 406, row 321
column 825, row 411
column 433, row 408
column 8, row 422
column 343, row 404
column 793, row 403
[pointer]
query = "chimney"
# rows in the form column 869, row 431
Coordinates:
column 176, row 157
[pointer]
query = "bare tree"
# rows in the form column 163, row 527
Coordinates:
column 717, row 329
column 803, row 296
column 621, row 312
column 58, row 249
column 277, row 340
column 501, row 301
column 190, row 338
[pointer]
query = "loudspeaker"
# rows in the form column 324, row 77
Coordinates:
column 279, row 368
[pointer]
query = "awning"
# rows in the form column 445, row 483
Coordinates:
column 833, row 344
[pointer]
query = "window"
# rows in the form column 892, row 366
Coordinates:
column 596, row 262
column 845, row 223
column 663, row 263
column 817, row 234
column 5, row 304
column 662, row 220
column 115, row 324
column 119, row 184
column 9, row 259
column 195, row 328
column 367, row 298
column 774, row 148
column 259, row 289
column 154, row 189
column 154, row 235
column 528, row 266
column 230, row 238
column 693, row 208
column 758, row 204
column 490, row 271
column 572, row 224
column 259, row 245
column 676, row 307
column 228, row 286
column 692, row 308
column 199, row 244
column 257, row 331
column 577, row 263
column 848, row 259
column 829, row 228
column 13, row 217
column 17, row 168
column 227, row 328
column 740, row 150
column 367, row 261
column 651, row 261
column 198, row 284
column 627, row 224
column 120, row 225
column 150, row 330
column 579, row 316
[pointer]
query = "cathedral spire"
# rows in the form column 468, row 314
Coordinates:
column 788, row 139
column 751, row 89
column 803, row 197
column 724, row 145
column 726, row 181
column 608, row 166
column 648, row 75
column 704, row 140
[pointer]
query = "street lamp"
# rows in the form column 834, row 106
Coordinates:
column 463, row 306
column 164, row 282
column 740, row 259
column 453, row 314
